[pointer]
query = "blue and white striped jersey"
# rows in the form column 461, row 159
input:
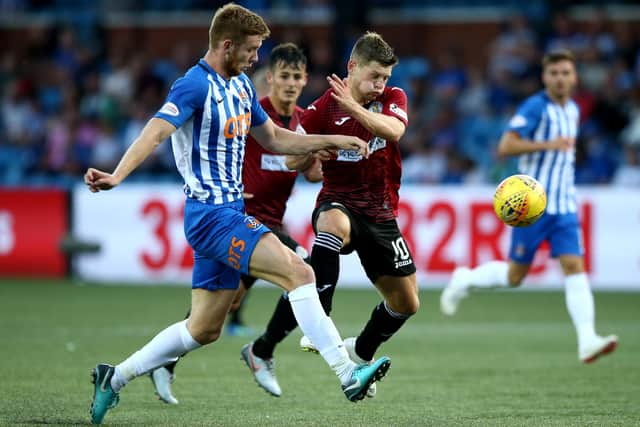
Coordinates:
column 540, row 119
column 213, row 117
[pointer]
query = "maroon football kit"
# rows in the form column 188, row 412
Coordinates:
column 367, row 187
column 366, row 190
column 266, row 176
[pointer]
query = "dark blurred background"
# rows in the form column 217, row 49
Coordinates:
column 78, row 79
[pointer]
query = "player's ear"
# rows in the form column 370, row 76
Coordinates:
column 351, row 65
column 269, row 76
column 227, row 44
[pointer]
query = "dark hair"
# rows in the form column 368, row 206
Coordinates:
column 372, row 47
column 236, row 23
column 557, row 56
column 288, row 54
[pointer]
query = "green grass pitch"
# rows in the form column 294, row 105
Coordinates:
column 507, row 359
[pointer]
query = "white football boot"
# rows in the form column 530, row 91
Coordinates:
column 263, row 370
column 455, row 291
column 162, row 380
column 599, row 346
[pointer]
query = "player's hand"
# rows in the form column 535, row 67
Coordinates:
column 562, row 143
column 324, row 155
column 341, row 92
column 352, row 143
column 246, row 195
column 98, row 180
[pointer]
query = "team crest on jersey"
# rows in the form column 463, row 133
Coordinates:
column 375, row 107
column 252, row 223
column 244, row 98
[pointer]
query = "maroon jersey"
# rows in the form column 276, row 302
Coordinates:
column 266, row 176
column 367, row 187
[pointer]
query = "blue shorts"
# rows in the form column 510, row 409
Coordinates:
column 561, row 231
column 223, row 239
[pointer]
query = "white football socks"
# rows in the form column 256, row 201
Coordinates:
column 320, row 329
column 492, row 274
column 164, row 348
column 580, row 305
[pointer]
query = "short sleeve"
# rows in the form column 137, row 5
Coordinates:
column 396, row 105
column 185, row 96
column 527, row 118
column 258, row 115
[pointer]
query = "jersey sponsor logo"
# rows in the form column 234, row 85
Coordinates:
column 518, row 121
column 312, row 107
column 341, row 121
column 274, row 162
column 398, row 111
column 170, row 109
column 252, row 223
column 375, row 144
column 235, row 252
column 237, row 126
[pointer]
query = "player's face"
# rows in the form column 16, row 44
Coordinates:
column 287, row 81
column 242, row 56
column 368, row 80
column 560, row 78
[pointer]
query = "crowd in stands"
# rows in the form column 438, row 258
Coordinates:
column 66, row 105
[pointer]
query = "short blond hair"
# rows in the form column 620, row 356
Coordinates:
column 557, row 56
column 372, row 47
column 236, row 23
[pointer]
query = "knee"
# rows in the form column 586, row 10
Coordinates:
column 572, row 266
column 301, row 273
column 515, row 278
column 412, row 307
column 206, row 336
column 334, row 222
column 406, row 306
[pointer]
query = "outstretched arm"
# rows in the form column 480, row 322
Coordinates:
column 284, row 141
column 512, row 144
column 155, row 131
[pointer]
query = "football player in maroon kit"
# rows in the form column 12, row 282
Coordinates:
column 267, row 179
column 357, row 207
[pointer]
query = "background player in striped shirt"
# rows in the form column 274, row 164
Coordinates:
column 357, row 206
column 208, row 114
column 268, row 183
column 543, row 133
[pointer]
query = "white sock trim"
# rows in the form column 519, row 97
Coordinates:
column 303, row 292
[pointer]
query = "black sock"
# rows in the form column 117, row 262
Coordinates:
column 383, row 323
column 282, row 322
column 325, row 260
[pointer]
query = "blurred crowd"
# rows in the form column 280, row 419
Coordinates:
column 67, row 104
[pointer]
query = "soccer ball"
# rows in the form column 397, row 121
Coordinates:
column 519, row 200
